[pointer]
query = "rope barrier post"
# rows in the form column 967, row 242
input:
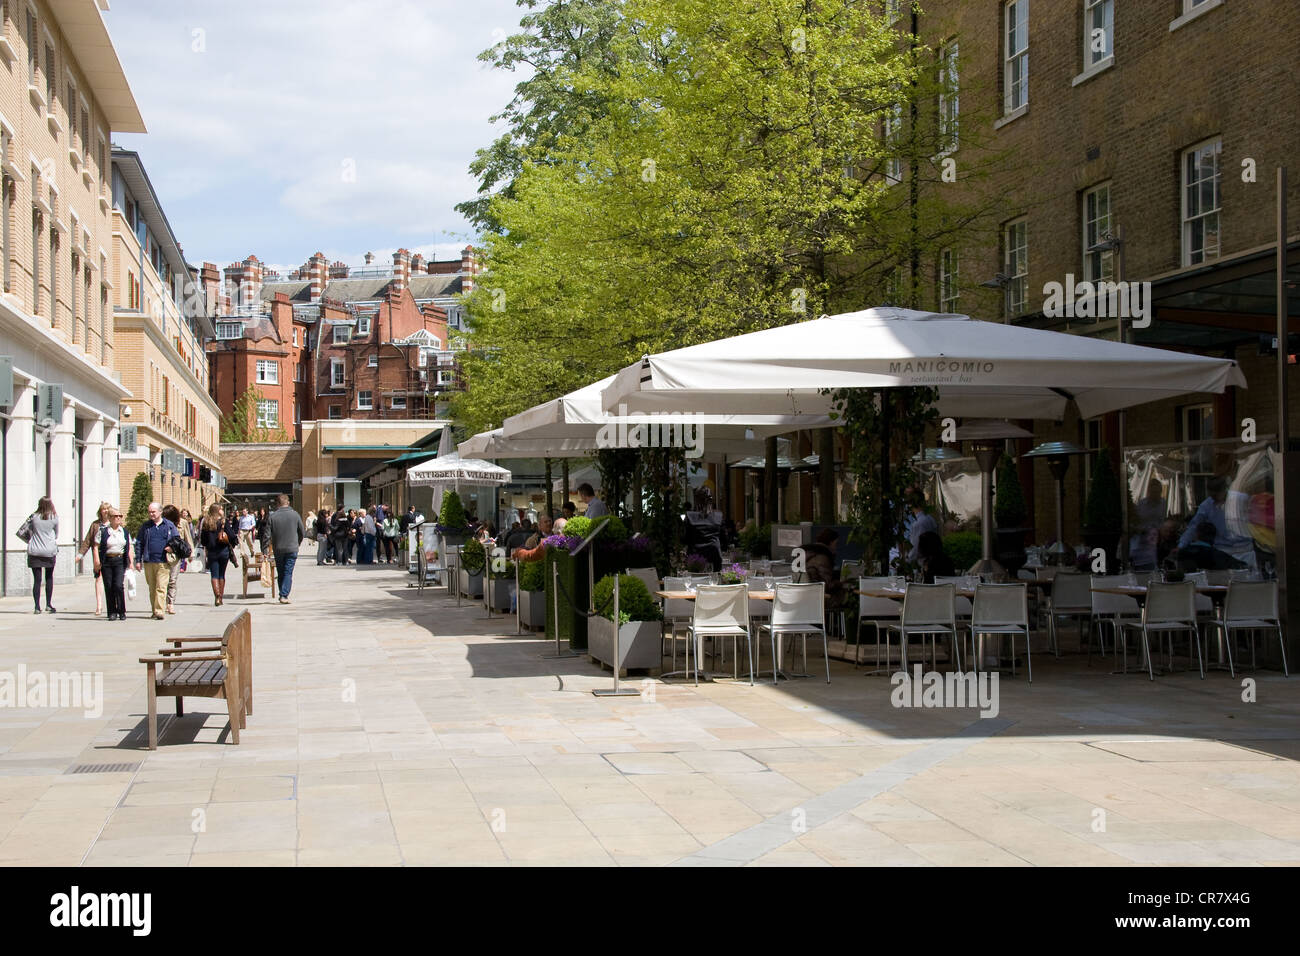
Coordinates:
column 555, row 590
column 617, row 691
column 518, row 622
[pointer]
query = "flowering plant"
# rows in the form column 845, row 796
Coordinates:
column 733, row 574
column 562, row 542
column 698, row 563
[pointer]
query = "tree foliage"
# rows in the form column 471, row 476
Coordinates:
column 141, row 494
column 677, row 171
column 240, row 425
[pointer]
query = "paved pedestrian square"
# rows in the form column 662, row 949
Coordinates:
column 392, row 727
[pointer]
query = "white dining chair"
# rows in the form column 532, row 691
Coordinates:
column 875, row 611
column 721, row 610
column 798, row 610
column 1251, row 606
column 1169, row 609
column 1110, row 610
column 1071, row 597
column 677, row 613
column 1001, row 610
column 927, row 610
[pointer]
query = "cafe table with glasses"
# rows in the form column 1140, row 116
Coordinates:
column 689, row 594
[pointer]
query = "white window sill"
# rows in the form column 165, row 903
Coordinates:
column 52, row 121
column 7, row 50
column 1093, row 70
column 1011, row 117
column 1187, row 18
column 36, row 95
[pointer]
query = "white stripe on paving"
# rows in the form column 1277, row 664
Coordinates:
column 776, row 831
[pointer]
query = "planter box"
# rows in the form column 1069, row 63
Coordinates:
column 471, row 585
column 532, row 608
column 640, row 646
column 572, row 625
column 499, row 593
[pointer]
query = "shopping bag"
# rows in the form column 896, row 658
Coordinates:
column 128, row 578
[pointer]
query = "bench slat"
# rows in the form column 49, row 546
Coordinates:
column 194, row 674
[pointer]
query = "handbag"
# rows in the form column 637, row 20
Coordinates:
column 24, row 531
column 128, row 579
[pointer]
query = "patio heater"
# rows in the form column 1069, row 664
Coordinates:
column 987, row 439
column 1058, row 455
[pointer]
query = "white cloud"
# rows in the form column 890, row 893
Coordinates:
column 248, row 135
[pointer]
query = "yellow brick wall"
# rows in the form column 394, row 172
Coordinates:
column 33, row 141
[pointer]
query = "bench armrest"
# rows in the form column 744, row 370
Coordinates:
column 173, row 660
column 190, row 640
column 180, row 652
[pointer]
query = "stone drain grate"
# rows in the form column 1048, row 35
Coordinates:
column 104, row 768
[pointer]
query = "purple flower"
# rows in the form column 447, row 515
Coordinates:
column 562, row 542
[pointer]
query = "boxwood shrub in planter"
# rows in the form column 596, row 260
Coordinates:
column 472, row 561
column 532, row 593
column 639, row 634
column 452, row 524
column 572, row 623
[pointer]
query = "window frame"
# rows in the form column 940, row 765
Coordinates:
column 949, row 280
column 949, row 97
column 1092, row 60
column 267, row 372
column 1185, row 221
column 368, row 403
column 338, row 373
column 393, row 400
column 1105, row 258
column 263, row 405
column 347, row 334
column 1021, row 54
column 1017, row 281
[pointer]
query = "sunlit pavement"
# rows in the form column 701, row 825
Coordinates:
column 392, row 727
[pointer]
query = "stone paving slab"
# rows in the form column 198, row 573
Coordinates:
column 392, row 727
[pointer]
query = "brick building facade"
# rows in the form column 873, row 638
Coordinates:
column 1132, row 141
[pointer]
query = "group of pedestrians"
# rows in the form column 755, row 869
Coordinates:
column 360, row 535
column 161, row 549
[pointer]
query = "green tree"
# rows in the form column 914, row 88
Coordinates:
column 241, row 424
column 141, row 494
column 714, row 170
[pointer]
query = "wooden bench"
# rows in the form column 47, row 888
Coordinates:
column 222, row 670
column 258, row 567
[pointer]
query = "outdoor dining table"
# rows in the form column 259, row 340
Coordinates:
column 897, row 594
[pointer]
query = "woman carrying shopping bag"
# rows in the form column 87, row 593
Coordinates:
column 41, row 532
column 112, row 559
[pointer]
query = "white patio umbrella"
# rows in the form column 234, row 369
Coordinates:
column 580, row 415
column 451, row 469
column 493, row 445
column 981, row 369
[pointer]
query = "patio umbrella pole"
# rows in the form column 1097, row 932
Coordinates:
column 617, row 691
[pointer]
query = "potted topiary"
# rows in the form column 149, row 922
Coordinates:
column 498, row 578
column 1102, row 520
column 572, row 599
column 453, row 526
column 472, row 561
column 1010, row 515
column 963, row 548
column 639, row 640
column 532, row 593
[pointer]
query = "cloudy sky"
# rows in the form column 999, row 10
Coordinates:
column 281, row 128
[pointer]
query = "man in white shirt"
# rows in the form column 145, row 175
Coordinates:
column 595, row 507
column 919, row 524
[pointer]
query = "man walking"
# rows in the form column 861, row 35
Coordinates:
column 151, row 551
column 286, row 537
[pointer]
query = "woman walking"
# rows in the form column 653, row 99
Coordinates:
column 112, row 558
column 41, row 532
column 389, row 531
column 368, row 529
column 217, row 537
column 183, row 529
column 91, row 543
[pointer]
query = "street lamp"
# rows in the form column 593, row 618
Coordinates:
column 987, row 438
column 1058, row 455
column 1001, row 281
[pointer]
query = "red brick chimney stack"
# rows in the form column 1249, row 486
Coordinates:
column 317, row 275
column 339, row 270
column 417, row 264
column 210, row 282
column 250, row 283
column 467, row 269
column 282, row 317
column 401, row 270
